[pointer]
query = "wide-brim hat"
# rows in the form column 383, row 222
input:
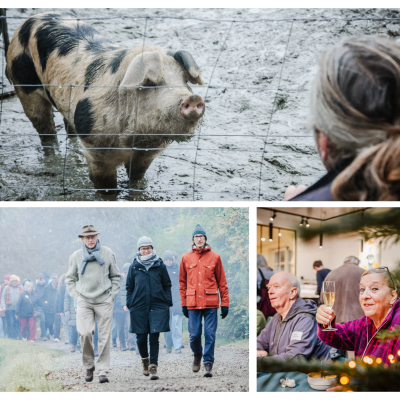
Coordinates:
column 88, row 230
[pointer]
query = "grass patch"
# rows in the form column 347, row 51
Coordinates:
column 24, row 367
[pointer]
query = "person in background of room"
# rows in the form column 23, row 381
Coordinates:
column 322, row 272
column 3, row 321
column 49, row 299
column 174, row 337
column 93, row 281
column 292, row 331
column 25, row 310
column 39, row 290
column 261, row 322
column 355, row 119
column 148, row 297
column 9, row 300
column 60, row 307
column 264, row 274
column 263, row 271
column 201, row 277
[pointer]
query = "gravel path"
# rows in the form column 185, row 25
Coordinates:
column 231, row 372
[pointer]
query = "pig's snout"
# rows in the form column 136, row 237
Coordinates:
column 193, row 107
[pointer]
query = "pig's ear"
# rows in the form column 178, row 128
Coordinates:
column 144, row 68
column 187, row 61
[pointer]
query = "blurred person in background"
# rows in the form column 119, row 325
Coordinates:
column 130, row 337
column 25, row 310
column 49, row 299
column 24, row 283
column 322, row 272
column 70, row 316
column 356, row 122
column 9, row 300
column 60, row 306
column 264, row 274
column 93, row 281
column 39, row 289
column 3, row 321
column 174, row 337
column 119, row 313
column 201, row 277
column 148, row 297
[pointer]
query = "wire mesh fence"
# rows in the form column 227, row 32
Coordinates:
column 253, row 140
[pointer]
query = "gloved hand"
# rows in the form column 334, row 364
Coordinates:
column 185, row 311
column 224, row 312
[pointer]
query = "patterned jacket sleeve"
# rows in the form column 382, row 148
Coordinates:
column 342, row 339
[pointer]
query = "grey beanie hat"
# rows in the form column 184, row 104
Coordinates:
column 125, row 268
column 144, row 241
column 168, row 255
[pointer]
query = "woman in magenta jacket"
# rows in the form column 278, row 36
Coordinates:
column 379, row 301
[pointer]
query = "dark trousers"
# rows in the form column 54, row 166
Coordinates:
column 12, row 324
column 53, row 324
column 210, row 317
column 73, row 335
column 154, row 346
column 43, row 330
column 28, row 325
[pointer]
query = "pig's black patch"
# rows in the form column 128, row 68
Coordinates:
column 24, row 73
column 99, row 46
column 116, row 61
column 51, row 99
column 93, row 69
column 25, row 32
column 84, row 118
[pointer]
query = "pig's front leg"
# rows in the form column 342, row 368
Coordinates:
column 141, row 160
column 103, row 174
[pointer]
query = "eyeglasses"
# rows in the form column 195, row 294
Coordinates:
column 387, row 269
column 90, row 237
column 198, row 236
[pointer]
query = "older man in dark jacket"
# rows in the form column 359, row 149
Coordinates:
column 292, row 332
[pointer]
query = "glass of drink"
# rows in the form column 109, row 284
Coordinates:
column 328, row 290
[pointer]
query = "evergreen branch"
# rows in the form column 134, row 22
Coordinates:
column 388, row 334
column 364, row 377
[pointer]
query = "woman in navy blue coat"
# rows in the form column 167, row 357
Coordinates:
column 148, row 297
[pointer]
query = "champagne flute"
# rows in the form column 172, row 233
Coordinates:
column 328, row 289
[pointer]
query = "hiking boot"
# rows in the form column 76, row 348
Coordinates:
column 169, row 350
column 153, row 372
column 208, row 368
column 89, row 375
column 103, row 379
column 122, row 346
column 178, row 351
column 73, row 348
column 145, row 365
column 196, row 362
column 114, row 343
column 44, row 338
column 96, row 351
column 56, row 340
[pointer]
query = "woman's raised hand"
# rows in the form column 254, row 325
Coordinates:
column 325, row 315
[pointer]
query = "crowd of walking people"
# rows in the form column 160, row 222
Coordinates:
column 95, row 303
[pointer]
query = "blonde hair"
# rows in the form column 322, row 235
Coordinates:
column 356, row 103
column 389, row 278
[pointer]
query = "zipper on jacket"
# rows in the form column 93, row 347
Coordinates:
column 366, row 348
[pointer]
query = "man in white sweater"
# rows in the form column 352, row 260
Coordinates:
column 93, row 281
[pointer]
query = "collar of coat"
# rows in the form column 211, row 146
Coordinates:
column 136, row 264
column 207, row 247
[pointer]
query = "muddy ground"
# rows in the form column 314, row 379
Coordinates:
column 231, row 372
column 246, row 78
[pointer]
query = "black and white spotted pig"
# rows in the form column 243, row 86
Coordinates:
column 56, row 49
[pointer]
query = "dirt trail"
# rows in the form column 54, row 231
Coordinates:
column 231, row 372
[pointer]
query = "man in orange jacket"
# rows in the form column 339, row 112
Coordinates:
column 201, row 275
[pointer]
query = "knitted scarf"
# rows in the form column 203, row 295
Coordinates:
column 8, row 295
column 90, row 255
column 147, row 261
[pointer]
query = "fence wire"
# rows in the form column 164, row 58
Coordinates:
column 66, row 190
